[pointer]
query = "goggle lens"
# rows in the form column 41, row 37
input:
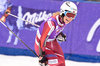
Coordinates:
column 70, row 15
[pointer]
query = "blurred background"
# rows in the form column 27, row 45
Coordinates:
column 83, row 33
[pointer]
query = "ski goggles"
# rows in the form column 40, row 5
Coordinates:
column 70, row 14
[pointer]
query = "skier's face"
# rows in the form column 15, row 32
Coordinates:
column 68, row 17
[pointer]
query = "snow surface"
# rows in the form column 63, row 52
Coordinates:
column 33, row 61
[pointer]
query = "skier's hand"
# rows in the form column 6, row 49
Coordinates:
column 7, row 11
column 42, row 59
column 3, row 18
column 61, row 37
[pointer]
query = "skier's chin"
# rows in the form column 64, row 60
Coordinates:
column 67, row 21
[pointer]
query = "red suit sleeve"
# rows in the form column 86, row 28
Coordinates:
column 47, row 30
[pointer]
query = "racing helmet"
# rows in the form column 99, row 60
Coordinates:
column 68, row 6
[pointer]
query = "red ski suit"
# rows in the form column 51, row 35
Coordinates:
column 52, row 27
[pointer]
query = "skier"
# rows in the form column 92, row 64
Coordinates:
column 46, row 45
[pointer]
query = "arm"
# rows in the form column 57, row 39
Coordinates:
column 47, row 30
column 61, row 37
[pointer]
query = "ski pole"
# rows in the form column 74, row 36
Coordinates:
column 18, row 38
column 22, row 19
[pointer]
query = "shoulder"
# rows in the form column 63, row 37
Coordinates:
column 51, row 22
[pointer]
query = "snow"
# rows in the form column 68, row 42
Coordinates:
column 33, row 61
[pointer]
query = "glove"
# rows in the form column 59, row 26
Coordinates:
column 3, row 18
column 7, row 11
column 43, row 59
column 61, row 37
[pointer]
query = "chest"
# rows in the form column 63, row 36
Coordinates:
column 56, row 31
